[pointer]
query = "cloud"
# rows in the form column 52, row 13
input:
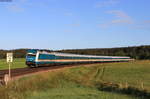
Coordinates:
column 106, row 3
column 106, row 25
column 120, row 18
column 22, row 1
column 147, row 21
column 68, row 14
column 15, row 8
column 118, row 13
column 75, row 25
column 141, row 27
column 67, row 30
column 144, row 25
column 122, row 21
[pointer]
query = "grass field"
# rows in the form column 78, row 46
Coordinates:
column 57, row 85
column 134, row 73
column 18, row 63
column 80, row 82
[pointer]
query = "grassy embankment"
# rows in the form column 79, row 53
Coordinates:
column 82, row 82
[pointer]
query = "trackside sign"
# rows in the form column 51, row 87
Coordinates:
column 9, row 57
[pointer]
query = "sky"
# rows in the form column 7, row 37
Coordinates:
column 74, row 24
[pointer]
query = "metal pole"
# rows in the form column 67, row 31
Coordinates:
column 9, row 70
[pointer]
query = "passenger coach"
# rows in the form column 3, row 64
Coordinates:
column 35, row 58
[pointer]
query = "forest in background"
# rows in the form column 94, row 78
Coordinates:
column 136, row 52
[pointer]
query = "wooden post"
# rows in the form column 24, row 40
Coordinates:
column 9, row 61
column 142, row 85
column 126, row 85
column 6, row 79
column 120, row 85
column 9, row 70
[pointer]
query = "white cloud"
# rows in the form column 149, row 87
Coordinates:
column 106, row 25
column 147, row 21
column 122, row 21
column 75, row 25
column 22, row 1
column 144, row 25
column 120, row 18
column 67, row 30
column 15, row 8
column 68, row 14
column 106, row 3
column 118, row 13
column 141, row 27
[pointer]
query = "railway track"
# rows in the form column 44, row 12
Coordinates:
column 28, row 70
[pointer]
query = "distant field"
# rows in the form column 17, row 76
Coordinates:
column 18, row 63
column 81, row 82
column 134, row 73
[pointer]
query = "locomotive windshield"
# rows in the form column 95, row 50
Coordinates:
column 30, row 54
column 30, row 57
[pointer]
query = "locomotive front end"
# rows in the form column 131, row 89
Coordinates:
column 31, row 57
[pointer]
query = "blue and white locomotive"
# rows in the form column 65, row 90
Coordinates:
column 35, row 58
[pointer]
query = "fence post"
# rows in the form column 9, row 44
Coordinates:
column 126, row 85
column 142, row 85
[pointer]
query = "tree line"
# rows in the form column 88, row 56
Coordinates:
column 17, row 53
column 136, row 52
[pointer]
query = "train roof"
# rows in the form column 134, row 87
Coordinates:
column 78, row 55
column 72, row 55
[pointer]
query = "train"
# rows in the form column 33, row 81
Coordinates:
column 35, row 58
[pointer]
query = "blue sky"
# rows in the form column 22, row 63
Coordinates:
column 65, row 24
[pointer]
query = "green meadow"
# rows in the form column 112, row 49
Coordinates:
column 82, row 82
column 17, row 63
